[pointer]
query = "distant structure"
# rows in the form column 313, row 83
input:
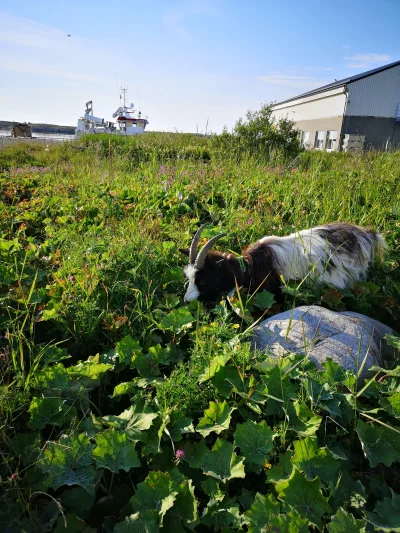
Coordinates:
column 129, row 121
column 356, row 113
column 21, row 130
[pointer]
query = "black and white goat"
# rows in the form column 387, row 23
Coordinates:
column 336, row 254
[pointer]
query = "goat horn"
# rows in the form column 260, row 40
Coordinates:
column 199, row 263
column 193, row 246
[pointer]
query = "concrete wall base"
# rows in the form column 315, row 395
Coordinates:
column 378, row 131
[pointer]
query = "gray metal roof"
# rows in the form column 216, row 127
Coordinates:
column 341, row 83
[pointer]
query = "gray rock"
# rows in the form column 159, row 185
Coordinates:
column 348, row 338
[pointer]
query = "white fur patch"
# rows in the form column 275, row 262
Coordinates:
column 306, row 254
column 192, row 292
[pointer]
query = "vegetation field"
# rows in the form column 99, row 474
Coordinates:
column 122, row 409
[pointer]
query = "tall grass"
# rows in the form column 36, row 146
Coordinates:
column 90, row 270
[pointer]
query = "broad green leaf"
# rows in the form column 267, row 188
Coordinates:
column 290, row 522
column 195, row 453
column 343, row 522
column 134, row 421
column 158, row 492
column 379, row 443
column 146, row 365
column 210, row 369
column 386, row 515
column 216, row 419
column 211, row 487
column 395, row 372
column 74, row 525
column 169, row 301
column 177, row 320
column 334, row 373
column 393, row 340
column 128, row 387
column 347, row 491
column 254, row 440
column 219, row 515
column 48, row 314
column 246, row 499
column 45, row 411
column 69, row 462
column 304, row 496
column 54, row 354
column 153, row 436
column 315, row 461
column 391, row 404
column 52, row 377
column 115, row 452
column 160, row 354
column 224, row 380
column 9, row 246
column 283, row 470
column 87, row 373
column 263, row 300
column 279, row 387
column 76, row 499
column 301, row 419
column 27, row 446
column 142, row 522
column 179, row 425
column 185, row 506
column 126, row 348
column 222, row 463
column 260, row 513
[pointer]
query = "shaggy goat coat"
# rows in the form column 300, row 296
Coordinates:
column 336, row 254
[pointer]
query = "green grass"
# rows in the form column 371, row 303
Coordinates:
column 105, row 374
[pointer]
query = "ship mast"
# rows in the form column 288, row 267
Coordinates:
column 124, row 90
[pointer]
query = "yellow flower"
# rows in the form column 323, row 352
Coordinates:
column 213, row 324
column 164, row 285
column 236, row 326
column 267, row 465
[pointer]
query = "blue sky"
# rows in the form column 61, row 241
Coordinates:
column 189, row 64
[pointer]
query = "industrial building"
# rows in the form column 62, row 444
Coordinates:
column 356, row 113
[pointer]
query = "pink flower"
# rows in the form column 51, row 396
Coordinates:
column 179, row 454
column 72, row 279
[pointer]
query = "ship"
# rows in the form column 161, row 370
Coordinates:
column 129, row 121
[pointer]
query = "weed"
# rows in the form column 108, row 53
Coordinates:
column 121, row 408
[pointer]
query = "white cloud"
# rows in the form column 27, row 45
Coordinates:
column 33, row 48
column 176, row 18
column 298, row 82
column 318, row 68
column 32, row 67
column 366, row 60
column 19, row 31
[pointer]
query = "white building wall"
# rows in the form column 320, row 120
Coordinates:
column 375, row 96
column 323, row 105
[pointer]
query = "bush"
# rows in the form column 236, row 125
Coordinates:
column 260, row 134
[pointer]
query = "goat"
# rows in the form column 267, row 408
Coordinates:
column 336, row 254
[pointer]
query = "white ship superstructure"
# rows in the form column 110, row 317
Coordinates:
column 129, row 121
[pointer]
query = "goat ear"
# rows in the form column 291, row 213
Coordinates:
column 184, row 251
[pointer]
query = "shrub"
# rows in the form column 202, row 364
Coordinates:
column 260, row 134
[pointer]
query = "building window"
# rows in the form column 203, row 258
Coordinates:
column 331, row 138
column 304, row 135
column 319, row 140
